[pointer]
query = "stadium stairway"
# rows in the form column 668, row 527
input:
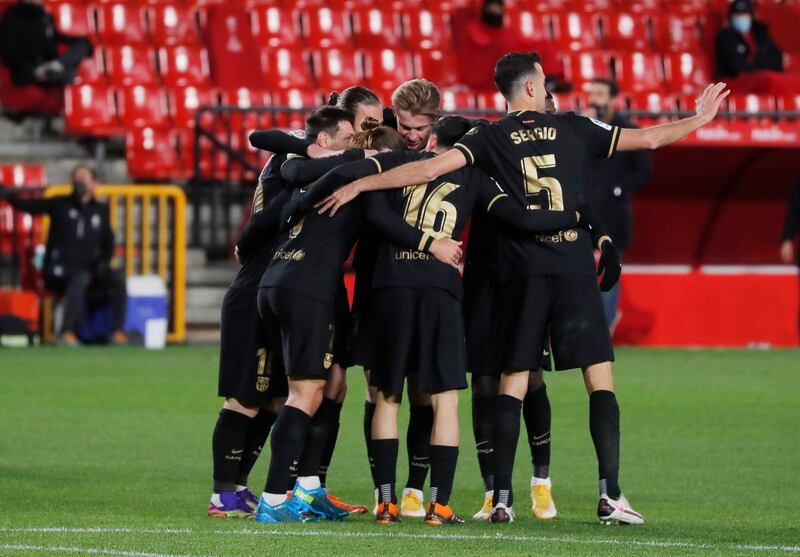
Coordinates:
column 206, row 283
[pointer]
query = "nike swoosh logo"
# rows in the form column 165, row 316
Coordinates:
column 481, row 443
column 542, row 436
column 420, row 458
column 240, row 451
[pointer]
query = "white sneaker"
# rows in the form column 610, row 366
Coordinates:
column 486, row 509
column 501, row 514
column 619, row 511
column 542, row 505
column 412, row 504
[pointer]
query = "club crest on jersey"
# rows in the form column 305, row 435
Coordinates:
column 528, row 122
column 262, row 384
column 328, row 361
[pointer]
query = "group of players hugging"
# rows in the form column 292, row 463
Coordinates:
column 403, row 197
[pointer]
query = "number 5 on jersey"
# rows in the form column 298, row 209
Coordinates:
column 535, row 186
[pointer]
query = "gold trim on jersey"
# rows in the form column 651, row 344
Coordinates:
column 377, row 163
column 468, row 150
column 613, row 145
column 495, row 198
column 258, row 199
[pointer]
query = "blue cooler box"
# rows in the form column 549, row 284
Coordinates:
column 147, row 299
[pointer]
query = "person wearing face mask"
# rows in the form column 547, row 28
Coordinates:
column 482, row 38
column 613, row 182
column 80, row 245
column 746, row 52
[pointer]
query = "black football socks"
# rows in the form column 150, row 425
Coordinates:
column 536, row 413
column 443, row 470
column 257, row 433
column 385, row 455
column 482, row 417
column 505, row 433
column 369, row 412
column 604, row 427
column 418, row 444
column 227, row 448
column 287, row 443
column 317, row 438
column 330, row 442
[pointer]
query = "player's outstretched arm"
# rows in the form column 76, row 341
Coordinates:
column 412, row 174
column 300, row 170
column 514, row 215
column 654, row 137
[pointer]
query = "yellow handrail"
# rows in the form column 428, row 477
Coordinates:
column 141, row 197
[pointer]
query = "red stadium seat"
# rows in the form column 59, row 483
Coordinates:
column 490, row 100
column 581, row 68
column 566, row 102
column 23, row 175
column 172, row 24
column 638, row 71
column 294, row 99
column 275, row 27
column 455, row 100
column 626, row 31
column 129, row 65
column 652, row 101
column 753, row 106
column 336, row 68
column 387, row 68
column 438, row 66
column 325, row 28
column 244, row 97
column 30, row 99
column 120, row 23
column 426, row 29
column 528, row 24
column 142, row 106
column 182, row 65
column 72, row 18
column 90, row 110
column 285, row 68
column 575, row 30
column 152, row 154
column 789, row 103
column 687, row 72
column 91, row 69
column 676, row 32
column 376, row 27
column 184, row 102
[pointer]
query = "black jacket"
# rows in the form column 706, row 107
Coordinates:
column 734, row 56
column 28, row 38
column 80, row 235
column 791, row 227
column 611, row 183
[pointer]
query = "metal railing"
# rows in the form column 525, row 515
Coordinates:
column 149, row 224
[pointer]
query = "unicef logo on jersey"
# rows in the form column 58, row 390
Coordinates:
column 571, row 235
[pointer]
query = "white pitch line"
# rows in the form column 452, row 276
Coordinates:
column 464, row 537
column 83, row 550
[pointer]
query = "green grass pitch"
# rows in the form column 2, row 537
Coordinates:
column 107, row 452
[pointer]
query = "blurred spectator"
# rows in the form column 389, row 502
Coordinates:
column 791, row 229
column 614, row 181
column 747, row 55
column 80, row 244
column 482, row 38
column 30, row 44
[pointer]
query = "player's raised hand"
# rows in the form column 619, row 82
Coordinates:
column 447, row 250
column 708, row 103
column 337, row 199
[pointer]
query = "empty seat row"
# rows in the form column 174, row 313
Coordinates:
column 19, row 230
column 140, row 64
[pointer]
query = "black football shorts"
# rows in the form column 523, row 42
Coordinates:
column 568, row 306
column 358, row 349
column 249, row 370
column 481, row 322
column 303, row 327
column 417, row 331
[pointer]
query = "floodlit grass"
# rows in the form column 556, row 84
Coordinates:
column 107, row 451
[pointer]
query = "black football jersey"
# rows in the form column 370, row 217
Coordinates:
column 259, row 236
column 541, row 161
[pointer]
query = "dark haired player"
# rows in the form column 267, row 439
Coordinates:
column 250, row 379
column 540, row 161
column 297, row 297
column 417, row 326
